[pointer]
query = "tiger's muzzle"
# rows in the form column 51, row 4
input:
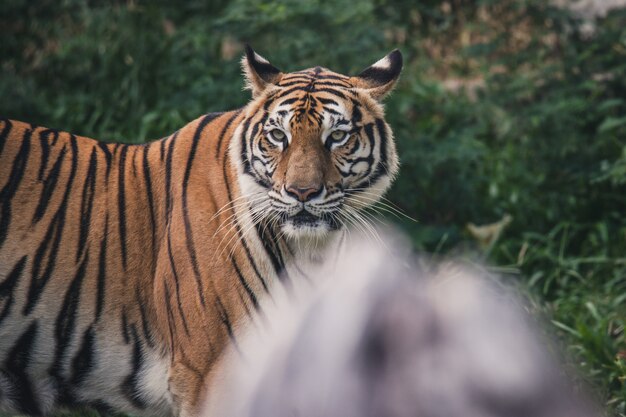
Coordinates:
column 310, row 212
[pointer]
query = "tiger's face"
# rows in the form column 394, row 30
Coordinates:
column 315, row 146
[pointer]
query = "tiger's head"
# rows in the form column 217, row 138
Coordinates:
column 314, row 146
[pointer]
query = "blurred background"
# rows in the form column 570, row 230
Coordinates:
column 510, row 118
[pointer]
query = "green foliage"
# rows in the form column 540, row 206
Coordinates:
column 537, row 128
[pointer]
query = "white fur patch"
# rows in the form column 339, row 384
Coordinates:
column 153, row 383
column 383, row 63
column 260, row 59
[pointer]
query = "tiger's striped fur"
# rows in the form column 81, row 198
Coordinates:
column 125, row 270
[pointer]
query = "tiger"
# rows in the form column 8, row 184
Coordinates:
column 126, row 270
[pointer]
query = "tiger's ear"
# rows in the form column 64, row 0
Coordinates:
column 259, row 72
column 378, row 80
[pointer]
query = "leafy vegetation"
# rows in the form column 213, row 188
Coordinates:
column 510, row 107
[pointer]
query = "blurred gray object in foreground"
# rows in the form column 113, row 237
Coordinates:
column 388, row 336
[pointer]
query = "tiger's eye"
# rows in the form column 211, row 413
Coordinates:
column 338, row 135
column 278, row 134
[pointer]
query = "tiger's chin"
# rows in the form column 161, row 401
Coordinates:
column 305, row 225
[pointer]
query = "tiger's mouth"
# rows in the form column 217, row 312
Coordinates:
column 306, row 223
column 304, row 218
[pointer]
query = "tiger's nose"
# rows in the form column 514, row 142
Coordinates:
column 304, row 194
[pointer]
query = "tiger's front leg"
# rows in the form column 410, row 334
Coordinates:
column 194, row 324
column 191, row 355
column 191, row 380
column 184, row 386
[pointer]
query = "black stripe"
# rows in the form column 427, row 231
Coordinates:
column 356, row 145
column 177, row 282
column 226, row 321
column 243, row 302
column 327, row 101
column 49, row 184
column 107, row 156
column 302, row 82
column 307, row 90
column 145, row 325
column 188, row 231
column 331, row 111
column 220, row 138
column 168, row 213
column 5, row 133
column 257, row 126
column 312, row 84
column 52, row 240
column 300, row 75
column 41, row 273
column 289, row 83
column 357, row 116
column 342, row 78
column 45, row 151
column 65, row 325
column 249, row 256
column 8, row 285
column 270, row 100
column 244, row 146
column 285, row 93
column 148, row 180
column 102, row 265
column 381, row 167
column 288, row 101
column 86, row 205
column 332, row 84
column 369, row 133
column 83, row 362
column 281, row 270
column 170, row 319
column 331, row 91
column 334, row 199
column 271, row 247
column 121, row 203
column 10, row 188
column 168, row 178
column 15, row 365
column 243, row 282
column 131, row 384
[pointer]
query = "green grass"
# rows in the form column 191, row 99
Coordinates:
column 582, row 299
